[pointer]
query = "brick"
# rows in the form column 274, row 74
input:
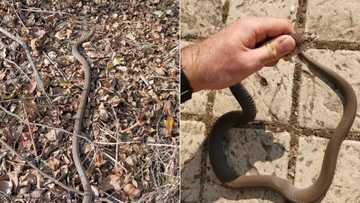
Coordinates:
column 334, row 20
column 191, row 140
column 197, row 104
column 190, row 179
column 345, row 186
column 319, row 106
column 275, row 8
column 192, row 137
column 200, row 18
column 271, row 89
column 249, row 150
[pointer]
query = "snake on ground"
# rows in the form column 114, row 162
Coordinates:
column 318, row 189
column 88, row 196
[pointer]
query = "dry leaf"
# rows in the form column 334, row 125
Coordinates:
column 99, row 159
column 30, row 108
column 88, row 148
column 2, row 74
column 115, row 181
column 54, row 163
column 130, row 160
column 34, row 43
column 32, row 86
column 51, row 135
column 66, row 84
column 131, row 36
column 103, row 112
column 63, row 34
column 132, row 191
column 169, row 125
column 5, row 185
column 115, row 101
column 167, row 108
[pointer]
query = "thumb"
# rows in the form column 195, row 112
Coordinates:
column 274, row 50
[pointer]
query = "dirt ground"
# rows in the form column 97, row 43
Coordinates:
column 129, row 148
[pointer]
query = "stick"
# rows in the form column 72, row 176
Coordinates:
column 18, row 67
column 42, row 125
column 30, row 131
column 37, row 10
column 39, row 82
column 38, row 170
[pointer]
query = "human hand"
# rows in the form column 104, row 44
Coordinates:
column 231, row 55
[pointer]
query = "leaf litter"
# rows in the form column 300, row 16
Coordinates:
column 130, row 144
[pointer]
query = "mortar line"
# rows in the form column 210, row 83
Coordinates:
column 293, row 120
column 278, row 127
column 208, row 121
column 333, row 45
column 192, row 37
column 301, row 16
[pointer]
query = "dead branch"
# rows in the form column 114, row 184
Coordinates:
column 37, row 10
column 41, row 125
column 38, row 79
column 9, row 148
column 30, row 132
column 17, row 67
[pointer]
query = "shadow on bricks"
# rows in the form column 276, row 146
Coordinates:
column 249, row 152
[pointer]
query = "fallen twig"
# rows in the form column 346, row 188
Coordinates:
column 17, row 15
column 30, row 131
column 83, row 137
column 17, row 67
column 116, row 133
column 136, row 142
column 39, row 82
column 55, row 65
column 131, row 127
column 42, row 125
column 37, row 10
column 9, row 148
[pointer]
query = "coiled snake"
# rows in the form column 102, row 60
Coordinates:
column 314, row 192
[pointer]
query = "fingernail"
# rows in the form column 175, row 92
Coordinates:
column 286, row 45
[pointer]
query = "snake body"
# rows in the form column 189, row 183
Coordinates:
column 88, row 197
column 318, row 189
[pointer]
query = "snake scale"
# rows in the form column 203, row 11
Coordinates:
column 227, row 175
column 88, row 196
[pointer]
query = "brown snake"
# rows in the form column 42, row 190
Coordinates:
column 88, row 196
column 314, row 192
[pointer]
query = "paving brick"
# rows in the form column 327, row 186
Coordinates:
column 275, row 8
column 197, row 104
column 271, row 89
column 191, row 140
column 190, row 179
column 345, row 186
column 249, row 150
column 319, row 106
column 200, row 18
column 334, row 19
column 192, row 137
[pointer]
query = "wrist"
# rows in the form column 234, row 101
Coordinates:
column 189, row 66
